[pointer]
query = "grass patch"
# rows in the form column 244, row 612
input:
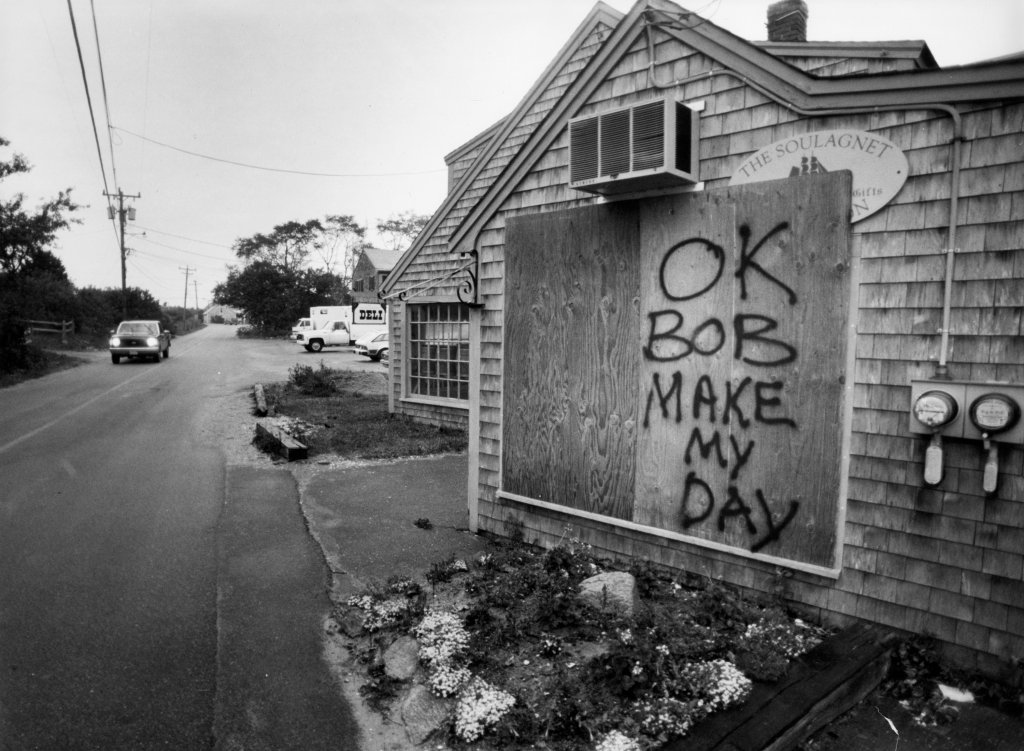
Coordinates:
column 349, row 411
column 38, row 363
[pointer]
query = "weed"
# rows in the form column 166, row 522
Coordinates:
column 403, row 585
column 443, row 571
column 379, row 690
column 913, row 678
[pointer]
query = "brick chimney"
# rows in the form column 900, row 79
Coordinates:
column 787, row 21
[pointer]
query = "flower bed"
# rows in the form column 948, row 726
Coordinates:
column 521, row 658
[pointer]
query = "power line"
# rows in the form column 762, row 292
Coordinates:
column 142, row 272
column 182, row 237
column 220, row 261
column 103, row 86
column 88, row 98
column 273, row 169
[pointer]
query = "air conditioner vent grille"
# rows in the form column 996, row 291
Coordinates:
column 615, row 143
column 648, row 136
column 583, row 150
column 634, row 148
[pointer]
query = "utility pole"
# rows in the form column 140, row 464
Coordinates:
column 122, row 214
column 184, row 306
column 195, row 288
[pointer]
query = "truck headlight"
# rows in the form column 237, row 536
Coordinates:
column 115, row 342
column 152, row 341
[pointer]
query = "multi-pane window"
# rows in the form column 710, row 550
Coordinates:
column 438, row 352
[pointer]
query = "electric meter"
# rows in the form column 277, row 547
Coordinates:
column 994, row 413
column 935, row 409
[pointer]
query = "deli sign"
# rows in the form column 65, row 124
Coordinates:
column 879, row 167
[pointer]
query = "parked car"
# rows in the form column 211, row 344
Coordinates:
column 139, row 339
column 373, row 345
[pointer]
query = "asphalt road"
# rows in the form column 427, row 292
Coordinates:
column 112, row 482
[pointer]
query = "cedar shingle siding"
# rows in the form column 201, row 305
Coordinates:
column 945, row 561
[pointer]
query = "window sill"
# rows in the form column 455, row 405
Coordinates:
column 427, row 401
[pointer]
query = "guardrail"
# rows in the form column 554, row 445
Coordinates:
column 51, row 327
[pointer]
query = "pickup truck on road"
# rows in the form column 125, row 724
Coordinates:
column 331, row 334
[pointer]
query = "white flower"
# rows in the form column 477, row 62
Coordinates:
column 479, row 708
column 729, row 685
column 363, row 602
column 447, row 680
column 443, row 642
column 379, row 614
column 668, row 717
column 616, row 741
column 789, row 640
column 442, row 637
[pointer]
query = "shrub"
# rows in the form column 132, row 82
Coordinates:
column 312, row 381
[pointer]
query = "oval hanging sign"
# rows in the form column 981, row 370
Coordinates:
column 879, row 167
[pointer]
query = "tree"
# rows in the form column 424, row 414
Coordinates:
column 321, row 287
column 23, row 234
column 42, row 289
column 341, row 236
column 26, row 266
column 273, row 298
column 99, row 310
column 287, row 247
column 402, row 229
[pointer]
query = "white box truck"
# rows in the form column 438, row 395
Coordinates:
column 339, row 325
column 368, row 318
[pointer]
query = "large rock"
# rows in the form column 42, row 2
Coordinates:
column 402, row 658
column 615, row 590
column 423, row 713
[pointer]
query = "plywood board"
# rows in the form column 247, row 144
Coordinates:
column 572, row 324
column 751, row 289
column 679, row 364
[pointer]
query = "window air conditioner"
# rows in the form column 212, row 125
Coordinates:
column 635, row 148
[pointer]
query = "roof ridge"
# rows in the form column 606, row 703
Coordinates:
column 758, row 68
column 600, row 13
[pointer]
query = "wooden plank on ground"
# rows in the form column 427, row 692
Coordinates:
column 819, row 687
column 286, row 446
column 261, row 399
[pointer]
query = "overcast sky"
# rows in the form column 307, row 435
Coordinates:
column 372, row 92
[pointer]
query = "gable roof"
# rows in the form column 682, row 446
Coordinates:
column 382, row 259
column 475, row 142
column 801, row 92
column 495, row 136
